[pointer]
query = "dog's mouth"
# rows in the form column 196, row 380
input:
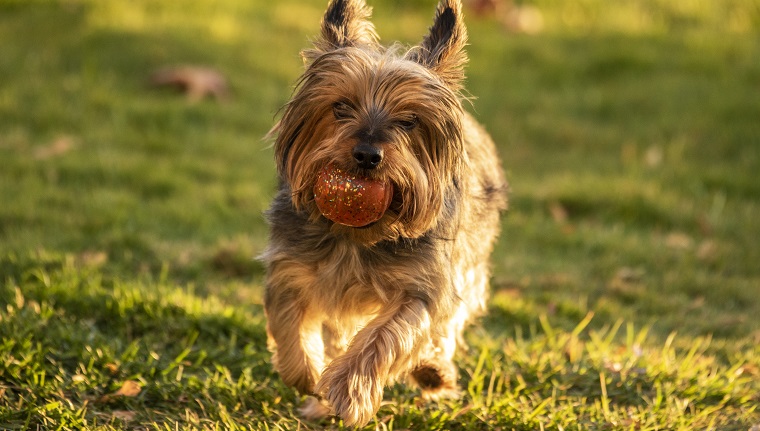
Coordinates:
column 397, row 201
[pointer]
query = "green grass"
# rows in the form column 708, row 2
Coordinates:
column 626, row 282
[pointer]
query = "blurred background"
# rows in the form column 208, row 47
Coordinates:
column 132, row 141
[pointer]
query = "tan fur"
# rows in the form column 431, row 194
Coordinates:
column 351, row 310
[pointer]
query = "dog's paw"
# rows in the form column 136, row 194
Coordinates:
column 354, row 397
column 437, row 380
column 314, row 409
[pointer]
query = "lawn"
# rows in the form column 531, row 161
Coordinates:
column 626, row 285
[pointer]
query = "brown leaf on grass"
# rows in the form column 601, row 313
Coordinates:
column 653, row 156
column 129, row 389
column 58, row 147
column 707, row 251
column 516, row 18
column 485, row 7
column 558, row 212
column 196, row 82
column 525, row 19
column 123, row 415
column 748, row 369
column 678, row 241
column 112, row 368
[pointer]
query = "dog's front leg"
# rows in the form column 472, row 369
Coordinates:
column 295, row 334
column 353, row 383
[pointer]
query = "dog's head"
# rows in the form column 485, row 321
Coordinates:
column 384, row 114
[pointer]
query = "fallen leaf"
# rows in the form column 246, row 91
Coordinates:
column 58, row 147
column 197, row 82
column 129, row 389
column 525, row 19
column 707, row 251
column 750, row 370
column 112, row 368
column 678, row 241
column 653, row 157
column 123, row 415
column 558, row 212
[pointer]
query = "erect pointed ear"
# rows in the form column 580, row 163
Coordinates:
column 346, row 23
column 442, row 50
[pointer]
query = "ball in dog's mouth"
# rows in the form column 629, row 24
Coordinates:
column 351, row 200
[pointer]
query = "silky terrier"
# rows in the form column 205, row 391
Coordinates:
column 388, row 208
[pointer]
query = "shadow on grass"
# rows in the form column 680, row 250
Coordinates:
column 72, row 335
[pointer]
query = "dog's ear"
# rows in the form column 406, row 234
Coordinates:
column 442, row 50
column 346, row 23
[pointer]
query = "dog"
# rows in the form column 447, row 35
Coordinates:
column 351, row 309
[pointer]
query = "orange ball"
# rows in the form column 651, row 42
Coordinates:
column 351, row 200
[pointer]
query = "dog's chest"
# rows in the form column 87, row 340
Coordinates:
column 353, row 281
column 341, row 280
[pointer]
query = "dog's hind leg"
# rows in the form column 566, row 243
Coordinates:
column 436, row 374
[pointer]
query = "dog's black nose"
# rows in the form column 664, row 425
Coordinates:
column 367, row 156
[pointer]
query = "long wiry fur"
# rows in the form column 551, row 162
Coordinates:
column 350, row 310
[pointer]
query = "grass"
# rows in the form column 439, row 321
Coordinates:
column 626, row 285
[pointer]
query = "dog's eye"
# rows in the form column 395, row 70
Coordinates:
column 409, row 123
column 341, row 110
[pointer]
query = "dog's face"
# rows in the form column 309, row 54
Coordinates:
column 378, row 113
